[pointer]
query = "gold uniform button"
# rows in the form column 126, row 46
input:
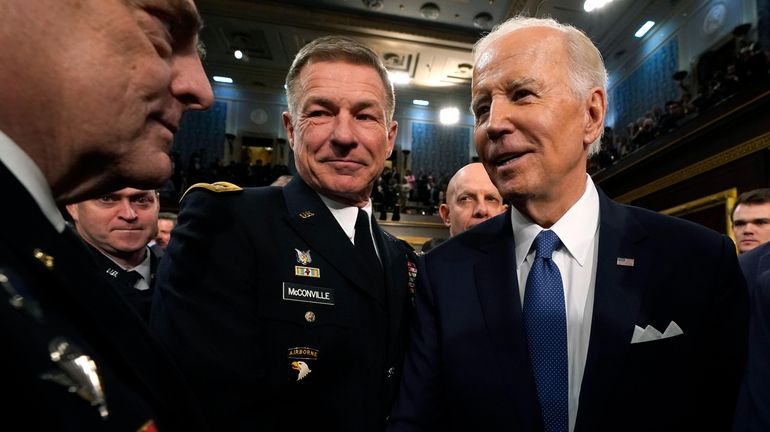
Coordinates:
column 309, row 316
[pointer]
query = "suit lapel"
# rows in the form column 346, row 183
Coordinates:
column 617, row 297
column 762, row 263
column 498, row 291
column 313, row 221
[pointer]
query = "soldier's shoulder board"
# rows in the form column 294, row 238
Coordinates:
column 218, row 187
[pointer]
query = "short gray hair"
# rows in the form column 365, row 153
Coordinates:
column 337, row 48
column 588, row 71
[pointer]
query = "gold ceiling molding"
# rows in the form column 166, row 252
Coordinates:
column 744, row 149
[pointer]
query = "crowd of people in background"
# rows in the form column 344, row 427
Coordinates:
column 198, row 169
column 742, row 72
column 420, row 193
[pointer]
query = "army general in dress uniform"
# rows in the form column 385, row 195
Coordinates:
column 275, row 307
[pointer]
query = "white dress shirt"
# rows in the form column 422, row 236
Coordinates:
column 578, row 230
column 30, row 176
column 346, row 217
column 144, row 269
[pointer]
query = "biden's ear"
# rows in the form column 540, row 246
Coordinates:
column 596, row 108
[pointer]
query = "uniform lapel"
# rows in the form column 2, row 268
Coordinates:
column 617, row 297
column 394, row 264
column 498, row 291
column 315, row 224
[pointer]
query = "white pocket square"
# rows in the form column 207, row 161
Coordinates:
column 650, row 333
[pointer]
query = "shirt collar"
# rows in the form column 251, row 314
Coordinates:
column 144, row 268
column 576, row 229
column 346, row 215
column 29, row 175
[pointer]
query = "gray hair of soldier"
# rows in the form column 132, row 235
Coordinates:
column 333, row 49
column 588, row 71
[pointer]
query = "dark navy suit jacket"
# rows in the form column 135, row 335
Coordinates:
column 468, row 367
column 140, row 300
column 754, row 407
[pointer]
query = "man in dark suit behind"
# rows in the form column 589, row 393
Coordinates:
column 93, row 110
column 264, row 295
column 117, row 228
column 645, row 323
column 753, row 413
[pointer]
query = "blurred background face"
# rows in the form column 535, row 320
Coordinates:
column 751, row 225
column 120, row 224
column 121, row 72
column 342, row 135
column 530, row 128
column 471, row 199
column 164, row 232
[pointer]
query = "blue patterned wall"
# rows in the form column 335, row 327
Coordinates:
column 440, row 150
column 648, row 85
column 202, row 131
column 763, row 26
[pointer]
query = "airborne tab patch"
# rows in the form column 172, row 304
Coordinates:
column 301, row 362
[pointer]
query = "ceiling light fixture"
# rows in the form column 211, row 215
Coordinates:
column 448, row 116
column 591, row 5
column 223, row 79
column 420, row 102
column 644, row 29
column 430, row 11
column 374, row 4
column 238, row 54
column 483, row 20
column 399, row 77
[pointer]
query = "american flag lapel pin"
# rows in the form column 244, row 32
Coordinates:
column 625, row 262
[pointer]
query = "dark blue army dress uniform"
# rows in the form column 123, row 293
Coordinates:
column 123, row 282
column 276, row 320
column 73, row 355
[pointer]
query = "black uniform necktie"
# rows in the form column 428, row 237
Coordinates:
column 363, row 240
column 131, row 278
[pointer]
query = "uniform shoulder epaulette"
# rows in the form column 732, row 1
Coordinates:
column 220, row 186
